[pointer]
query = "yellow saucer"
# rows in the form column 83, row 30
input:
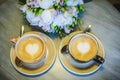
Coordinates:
column 77, row 71
column 49, row 61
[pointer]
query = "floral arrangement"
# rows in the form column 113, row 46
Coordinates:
column 53, row 16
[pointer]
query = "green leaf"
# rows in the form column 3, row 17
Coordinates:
column 60, row 32
column 52, row 27
column 35, row 9
column 82, row 8
column 71, row 15
column 65, row 1
column 29, row 9
column 24, row 14
column 36, row 13
column 68, row 26
column 63, row 9
column 51, row 6
column 81, row 22
column 56, row 28
column 22, row 2
column 40, row 11
column 32, row 9
column 66, row 7
column 73, row 24
column 58, row 6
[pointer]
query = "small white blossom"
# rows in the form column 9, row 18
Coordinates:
column 63, row 19
column 68, row 18
column 45, row 4
column 73, row 11
column 59, row 20
column 33, row 3
column 29, row 16
column 74, row 2
column 57, row 1
column 41, row 23
column 24, row 8
column 46, row 28
column 67, row 30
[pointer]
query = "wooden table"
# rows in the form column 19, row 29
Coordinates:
column 105, row 20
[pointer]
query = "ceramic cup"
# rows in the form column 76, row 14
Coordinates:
column 83, row 51
column 30, row 51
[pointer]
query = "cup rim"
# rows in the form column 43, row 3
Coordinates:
column 26, row 36
column 83, row 34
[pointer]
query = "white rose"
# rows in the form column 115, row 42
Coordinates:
column 47, row 16
column 59, row 20
column 53, row 12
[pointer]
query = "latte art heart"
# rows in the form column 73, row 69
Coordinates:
column 83, row 47
column 32, row 49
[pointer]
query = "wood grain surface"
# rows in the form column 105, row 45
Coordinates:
column 105, row 21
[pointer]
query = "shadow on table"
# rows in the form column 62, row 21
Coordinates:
column 117, row 6
column 2, row 1
column 3, row 77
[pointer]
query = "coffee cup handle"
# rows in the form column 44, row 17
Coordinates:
column 14, row 40
column 64, row 49
column 18, row 62
column 99, row 59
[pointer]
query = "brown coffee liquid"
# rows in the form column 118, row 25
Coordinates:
column 30, row 49
column 83, row 48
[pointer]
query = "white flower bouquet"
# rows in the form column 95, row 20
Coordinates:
column 53, row 16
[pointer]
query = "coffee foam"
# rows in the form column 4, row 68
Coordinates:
column 32, row 49
column 83, row 47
